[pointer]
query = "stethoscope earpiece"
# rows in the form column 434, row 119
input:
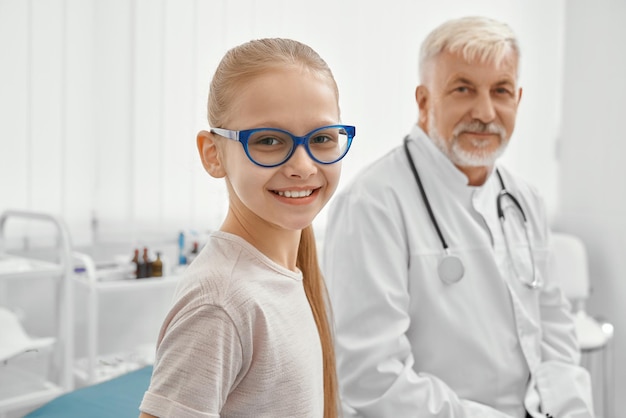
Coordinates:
column 450, row 269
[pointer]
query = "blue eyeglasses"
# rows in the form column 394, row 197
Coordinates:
column 271, row 147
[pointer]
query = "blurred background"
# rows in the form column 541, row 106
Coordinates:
column 100, row 103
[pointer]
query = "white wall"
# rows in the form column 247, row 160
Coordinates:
column 101, row 100
column 592, row 195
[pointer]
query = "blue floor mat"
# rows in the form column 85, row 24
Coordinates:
column 116, row 398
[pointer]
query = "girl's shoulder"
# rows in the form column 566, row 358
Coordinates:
column 228, row 271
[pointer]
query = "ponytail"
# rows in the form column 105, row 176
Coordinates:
column 317, row 295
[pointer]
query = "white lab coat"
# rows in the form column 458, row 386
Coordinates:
column 410, row 345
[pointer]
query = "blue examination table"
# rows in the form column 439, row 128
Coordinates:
column 116, row 398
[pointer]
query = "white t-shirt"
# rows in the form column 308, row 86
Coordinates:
column 239, row 341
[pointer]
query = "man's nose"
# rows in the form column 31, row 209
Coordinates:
column 484, row 109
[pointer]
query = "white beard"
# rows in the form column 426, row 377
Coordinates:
column 475, row 157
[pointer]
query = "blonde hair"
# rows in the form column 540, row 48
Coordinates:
column 316, row 292
column 474, row 37
column 240, row 65
column 251, row 59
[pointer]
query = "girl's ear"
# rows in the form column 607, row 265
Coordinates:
column 209, row 154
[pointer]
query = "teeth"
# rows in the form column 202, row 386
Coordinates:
column 295, row 193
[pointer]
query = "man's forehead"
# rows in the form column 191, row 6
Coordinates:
column 448, row 63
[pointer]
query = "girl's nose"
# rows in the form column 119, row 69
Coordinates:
column 300, row 164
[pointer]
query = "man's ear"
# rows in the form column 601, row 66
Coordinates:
column 422, row 98
column 519, row 95
column 209, row 154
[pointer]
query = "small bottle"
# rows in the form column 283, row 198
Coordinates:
column 182, row 260
column 142, row 268
column 193, row 253
column 135, row 261
column 147, row 263
column 157, row 266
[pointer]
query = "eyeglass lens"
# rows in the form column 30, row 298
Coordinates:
column 270, row 147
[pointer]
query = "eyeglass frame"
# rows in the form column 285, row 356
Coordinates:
column 243, row 136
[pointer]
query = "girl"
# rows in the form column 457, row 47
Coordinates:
column 248, row 334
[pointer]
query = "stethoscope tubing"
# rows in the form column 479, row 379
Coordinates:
column 425, row 199
column 451, row 268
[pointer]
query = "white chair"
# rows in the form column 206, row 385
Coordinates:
column 570, row 265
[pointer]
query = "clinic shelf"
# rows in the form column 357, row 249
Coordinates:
column 126, row 284
column 20, row 268
column 107, row 367
column 19, row 388
column 91, row 286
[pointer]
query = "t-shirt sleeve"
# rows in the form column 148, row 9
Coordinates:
column 198, row 361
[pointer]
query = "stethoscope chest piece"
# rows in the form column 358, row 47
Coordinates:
column 450, row 269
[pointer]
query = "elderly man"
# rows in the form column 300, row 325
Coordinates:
column 436, row 257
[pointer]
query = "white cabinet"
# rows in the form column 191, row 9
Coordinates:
column 119, row 319
column 22, row 384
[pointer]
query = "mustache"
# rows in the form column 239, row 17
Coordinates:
column 481, row 127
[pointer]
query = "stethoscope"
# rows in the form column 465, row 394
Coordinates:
column 450, row 268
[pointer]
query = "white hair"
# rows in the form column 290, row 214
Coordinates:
column 474, row 37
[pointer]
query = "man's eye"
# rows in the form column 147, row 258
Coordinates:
column 502, row 90
column 462, row 89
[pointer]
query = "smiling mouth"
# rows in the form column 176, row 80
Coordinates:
column 294, row 193
column 481, row 133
